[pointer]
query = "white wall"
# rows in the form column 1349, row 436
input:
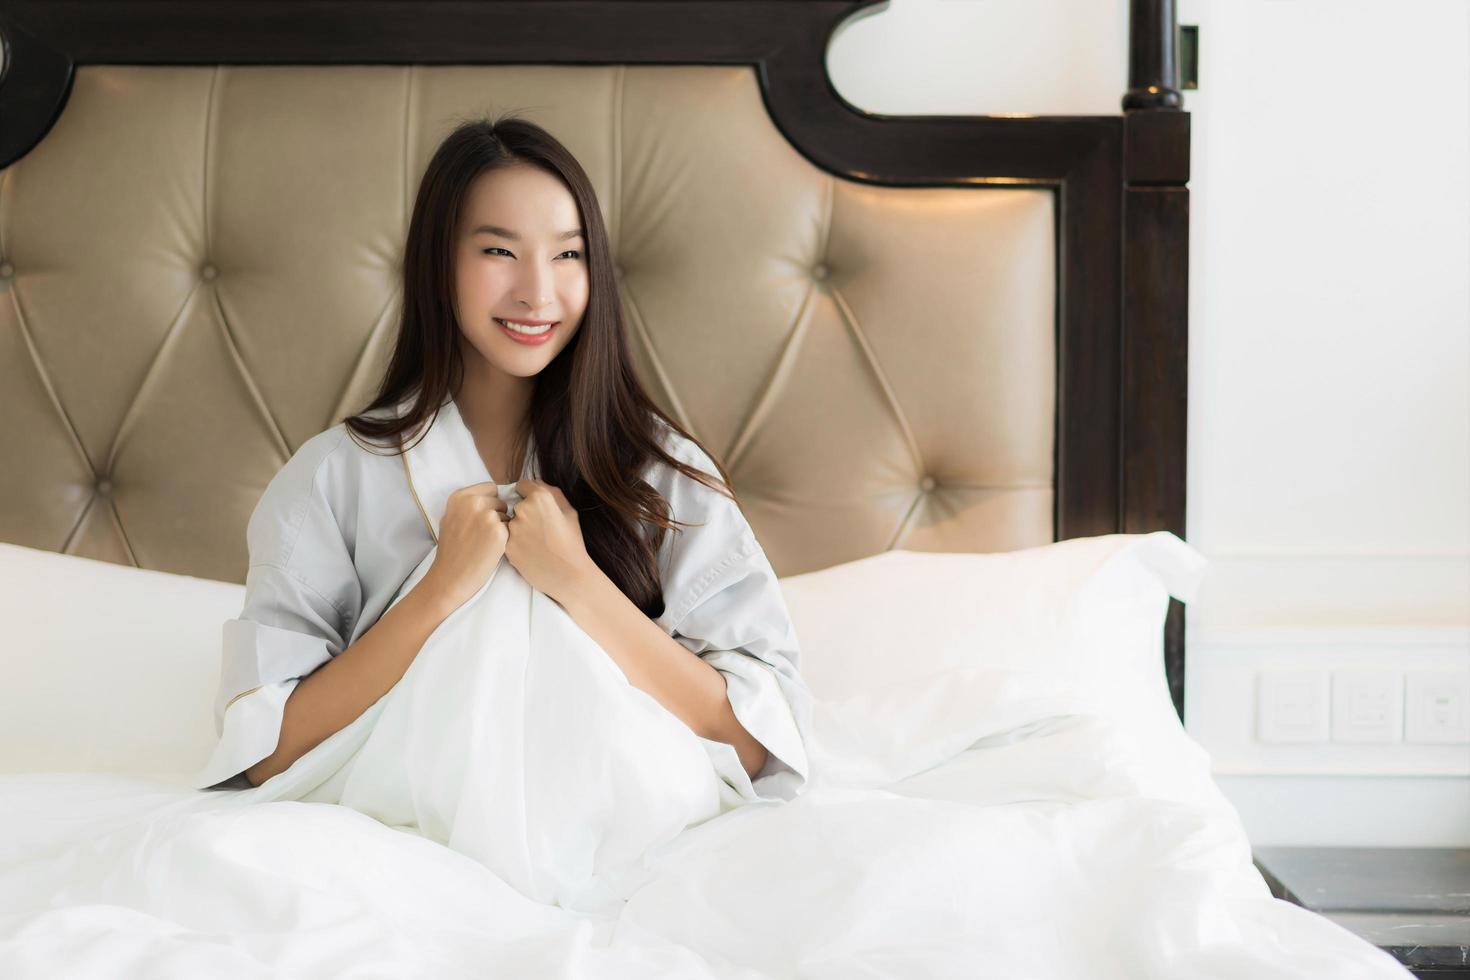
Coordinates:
column 1329, row 415
column 1044, row 57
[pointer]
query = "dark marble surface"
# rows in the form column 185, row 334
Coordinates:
column 1413, row 902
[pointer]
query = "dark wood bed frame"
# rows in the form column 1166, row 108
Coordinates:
column 1121, row 181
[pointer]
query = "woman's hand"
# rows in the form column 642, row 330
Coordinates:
column 545, row 543
column 472, row 539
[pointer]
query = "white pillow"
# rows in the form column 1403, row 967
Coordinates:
column 912, row 654
column 108, row 668
column 114, row 669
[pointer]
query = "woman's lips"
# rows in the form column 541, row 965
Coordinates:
column 532, row 340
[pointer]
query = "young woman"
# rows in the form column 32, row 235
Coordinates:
column 512, row 571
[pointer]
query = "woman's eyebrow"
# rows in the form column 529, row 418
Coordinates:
column 507, row 233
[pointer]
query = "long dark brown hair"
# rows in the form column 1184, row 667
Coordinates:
column 596, row 428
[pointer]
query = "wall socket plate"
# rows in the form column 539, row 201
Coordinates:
column 1227, row 707
column 1292, row 706
column 1367, row 706
column 1437, row 706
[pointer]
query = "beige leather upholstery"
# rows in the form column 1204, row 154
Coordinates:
column 198, row 271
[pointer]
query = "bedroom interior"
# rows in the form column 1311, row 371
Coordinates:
column 200, row 243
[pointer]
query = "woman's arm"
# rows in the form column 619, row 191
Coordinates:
column 691, row 689
column 340, row 690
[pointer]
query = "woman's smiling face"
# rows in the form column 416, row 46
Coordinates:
column 521, row 257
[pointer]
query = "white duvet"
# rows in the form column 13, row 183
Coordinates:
column 513, row 738
column 532, row 814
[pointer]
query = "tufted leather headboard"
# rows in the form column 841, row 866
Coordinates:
column 933, row 333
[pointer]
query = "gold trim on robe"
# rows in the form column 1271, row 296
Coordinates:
column 239, row 696
column 413, row 490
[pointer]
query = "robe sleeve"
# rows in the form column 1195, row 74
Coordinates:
column 724, row 603
column 301, row 591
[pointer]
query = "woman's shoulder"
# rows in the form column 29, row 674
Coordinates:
column 691, row 499
column 318, row 455
column 324, row 474
column 302, row 471
column 341, row 448
column 685, row 450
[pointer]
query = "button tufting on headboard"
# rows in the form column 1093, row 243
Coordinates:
column 827, row 406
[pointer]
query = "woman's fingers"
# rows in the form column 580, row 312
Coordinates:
column 478, row 489
column 483, row 494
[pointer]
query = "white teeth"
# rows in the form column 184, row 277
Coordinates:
column 529, row 331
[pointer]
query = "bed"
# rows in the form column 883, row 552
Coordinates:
column 201, row 207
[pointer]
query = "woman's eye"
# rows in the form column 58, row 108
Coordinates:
column 494, row 248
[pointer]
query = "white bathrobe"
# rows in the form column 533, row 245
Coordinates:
column 512, row 737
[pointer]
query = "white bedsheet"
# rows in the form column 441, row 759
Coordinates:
column 1051, row 843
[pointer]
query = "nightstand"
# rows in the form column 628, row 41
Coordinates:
column 1412, row 902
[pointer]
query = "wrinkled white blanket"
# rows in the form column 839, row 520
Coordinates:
column 1033, row 854
column 589, row 837
column 515, row 739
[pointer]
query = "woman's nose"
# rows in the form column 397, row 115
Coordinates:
column 535, row 288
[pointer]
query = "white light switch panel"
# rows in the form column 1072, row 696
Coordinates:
column 1367, row 706
column 1437, row 706
column 1291, row 706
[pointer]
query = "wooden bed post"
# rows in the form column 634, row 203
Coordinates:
column 1155, row 336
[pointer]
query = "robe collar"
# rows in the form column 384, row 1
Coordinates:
column 446, row 459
